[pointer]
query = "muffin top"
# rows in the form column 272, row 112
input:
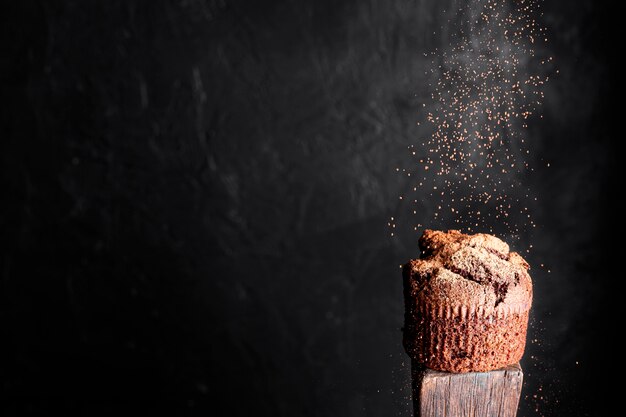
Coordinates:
column 473, row 271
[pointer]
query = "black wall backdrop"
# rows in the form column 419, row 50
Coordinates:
column 197, row 195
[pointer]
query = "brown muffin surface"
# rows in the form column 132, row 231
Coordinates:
column 466, row 302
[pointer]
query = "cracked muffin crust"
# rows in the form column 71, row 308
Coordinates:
column 466, row 303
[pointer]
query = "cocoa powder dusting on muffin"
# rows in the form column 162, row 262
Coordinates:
column 466, row 302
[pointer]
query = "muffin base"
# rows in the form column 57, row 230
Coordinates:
column 453, row 343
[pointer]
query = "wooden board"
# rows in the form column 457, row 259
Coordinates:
column 473, row 394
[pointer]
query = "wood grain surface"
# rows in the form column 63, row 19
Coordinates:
column 475, row 394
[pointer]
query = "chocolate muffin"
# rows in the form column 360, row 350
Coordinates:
column 466, row 303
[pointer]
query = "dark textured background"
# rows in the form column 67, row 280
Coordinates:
column 196, row 195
